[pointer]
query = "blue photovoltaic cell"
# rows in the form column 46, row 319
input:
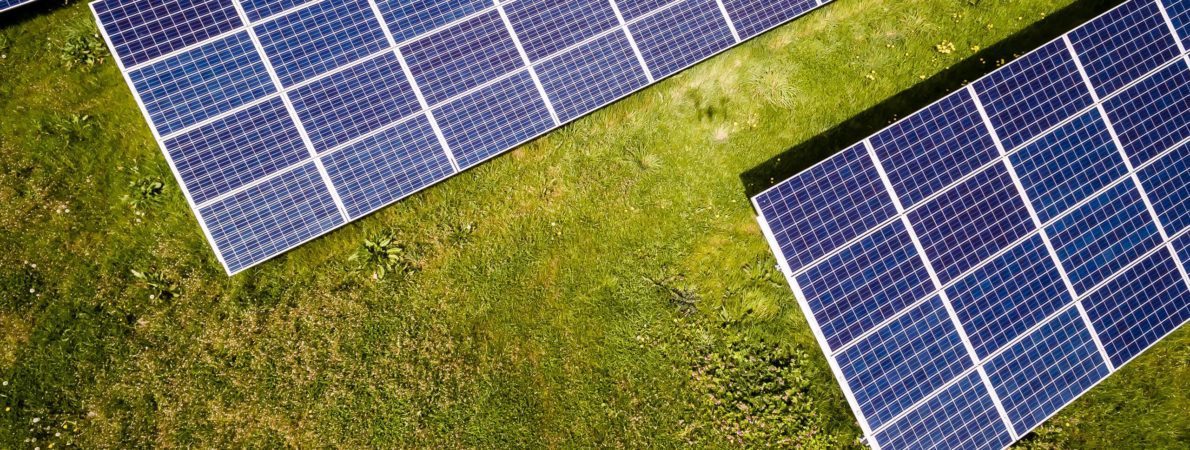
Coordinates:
column 271, row 217
column 1179, row 15
column 1124, row 44
column 235, row 150
column 1008, row 295
column 1151, row 116
column 1104, row 235
column 1136, row 309
column 1043, row 372
column 545, row 27
column 1069, row 164
column 1167, row 183
column 388, row 166
column 903, row 362
column 9, row 4
column 491, row 120
column 677, row 37
column 260, row 9
column 961, row 417
column 591, row 75
column 320, row 38
column 1182, row 245
column 201, row 83
column 826, row 206
column 752, row 17
column 353, row 102
column 461, row 57
column 142, row 30
column 934, row 147
column 1032, row 94
column 632, row 9
column 972, row 221
column 875, row 278
column 409, row 18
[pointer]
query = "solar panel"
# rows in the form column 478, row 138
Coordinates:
column 978, row 265
column 6, row 5
column 257, row 103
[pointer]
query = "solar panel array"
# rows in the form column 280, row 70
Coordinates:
column 284, row 119
column 975, row 267
column 6, row 5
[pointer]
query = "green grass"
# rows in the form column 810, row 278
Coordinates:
column 605, row 285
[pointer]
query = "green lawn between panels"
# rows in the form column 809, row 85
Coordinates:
column 603, row 286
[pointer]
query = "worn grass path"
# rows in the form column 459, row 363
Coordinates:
column 605, row 285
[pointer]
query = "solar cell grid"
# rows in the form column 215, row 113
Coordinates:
column 591, row 75
column 545, row 27
column 857, row 289
column 201, row 83
column 222, row 156
column 752, row 17
column 1123, row 45
column 1182, row 246
column 353, row 102
column 974, row 220
column 1068, row 164
column 1134, row 310
column 837, row 201
column 1104, row 235
column 1043, row 372
column 484, row 123
column 1151, row 116
column 1010, row 294
column 903, row 362
column 6, row 5
column 466, row 55
column 315, row 40
column 410, row 18
column 1167, row 183
column 275, row 215
column 257, row 10
column 681, row 35
column 934, row 147
column 385, row 167
column 142, row 30
column 633, row 9
column 1179, row 17
column 1032, row 94
column 962, row 416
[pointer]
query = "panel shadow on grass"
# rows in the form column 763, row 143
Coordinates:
column 806, row 154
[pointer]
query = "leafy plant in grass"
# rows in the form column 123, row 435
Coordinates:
column 82, row 50
column 160, row 286
column 383, row 254
column 146, row 192
column 70, row 128
column 458, row 234
column 758, row 394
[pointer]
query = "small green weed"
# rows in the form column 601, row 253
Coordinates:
column 70, row 128
column 459, row 234
column 160, row 286
column 383, row 254
column 82, row 50
column 145, row 192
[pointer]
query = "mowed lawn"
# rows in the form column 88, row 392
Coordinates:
column 603, row 286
